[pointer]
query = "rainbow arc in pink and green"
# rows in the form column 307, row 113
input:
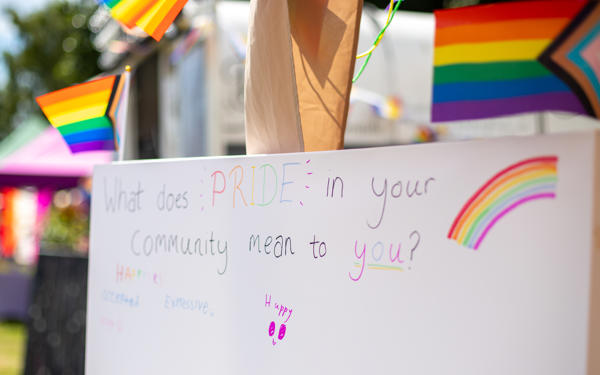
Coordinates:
column 523, row 182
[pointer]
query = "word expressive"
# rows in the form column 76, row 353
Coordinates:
column 188, row 304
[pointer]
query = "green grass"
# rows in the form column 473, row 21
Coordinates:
column 12, row 348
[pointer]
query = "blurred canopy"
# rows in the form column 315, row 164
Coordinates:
column 55, row 51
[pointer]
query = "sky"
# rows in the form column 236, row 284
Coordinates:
column 8, row 37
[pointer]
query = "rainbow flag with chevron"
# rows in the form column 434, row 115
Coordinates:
column 489, row 60
column 86, row 114
column 152, row 16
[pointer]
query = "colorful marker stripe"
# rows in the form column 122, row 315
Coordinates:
column 152, row 16
column 513, row 186
column 485, row 60
column 84, row 113
column 377, row 266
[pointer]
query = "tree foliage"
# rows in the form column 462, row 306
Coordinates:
column 55, row 51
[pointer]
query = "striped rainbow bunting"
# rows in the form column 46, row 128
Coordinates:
column 152, row 16
column 85, row 114
column 515, row 185
column 486, row 60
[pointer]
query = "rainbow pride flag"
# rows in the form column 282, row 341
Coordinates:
column 515, row 185
column 574, row 56
column 486, row 60
column 152, row 16
column 85, row 114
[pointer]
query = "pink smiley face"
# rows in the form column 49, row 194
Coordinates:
column 281, row 334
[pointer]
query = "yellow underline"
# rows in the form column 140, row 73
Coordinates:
column 380, row 267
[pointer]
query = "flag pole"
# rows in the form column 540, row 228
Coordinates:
column 123, row 114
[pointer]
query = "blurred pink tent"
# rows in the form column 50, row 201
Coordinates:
column 38, row 156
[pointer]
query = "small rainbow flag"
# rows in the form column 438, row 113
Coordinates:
column 515, row 185
column 152, row 16
column 85, row 114
column 486, row 60
column 389, row 107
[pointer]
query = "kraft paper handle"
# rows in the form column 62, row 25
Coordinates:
column 299, row 66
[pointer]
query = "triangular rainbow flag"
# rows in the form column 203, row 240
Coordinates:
column 85, row 114
column 152, row 16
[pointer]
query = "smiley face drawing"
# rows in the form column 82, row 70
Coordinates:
column 281, row 334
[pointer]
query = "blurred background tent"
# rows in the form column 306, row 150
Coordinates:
column 36, row 155
column 42, row 197
column 35, row 163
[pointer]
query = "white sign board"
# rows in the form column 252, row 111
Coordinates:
column 463, row 258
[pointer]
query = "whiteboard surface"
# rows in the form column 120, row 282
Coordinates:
column 517, row 305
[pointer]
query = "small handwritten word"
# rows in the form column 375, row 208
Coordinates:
column 111, row 324
column 189, row 304
column 176, row 244
column 266, row 183
column 119, row 199
column 131, row 274
column 377, row 255
column 120, row 298
column 280, row 309
column 321, row 246
column 281, row 246
column 331, row 184
column 396, row 192
column 168, row 201
column 281, row 312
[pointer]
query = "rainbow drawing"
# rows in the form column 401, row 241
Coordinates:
column 486, row 60
column 515, row 185
column 85, row 114
column 152, row 16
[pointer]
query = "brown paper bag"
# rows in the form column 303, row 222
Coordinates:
column 322, row 37
column 325, row 37
column 272, row 115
